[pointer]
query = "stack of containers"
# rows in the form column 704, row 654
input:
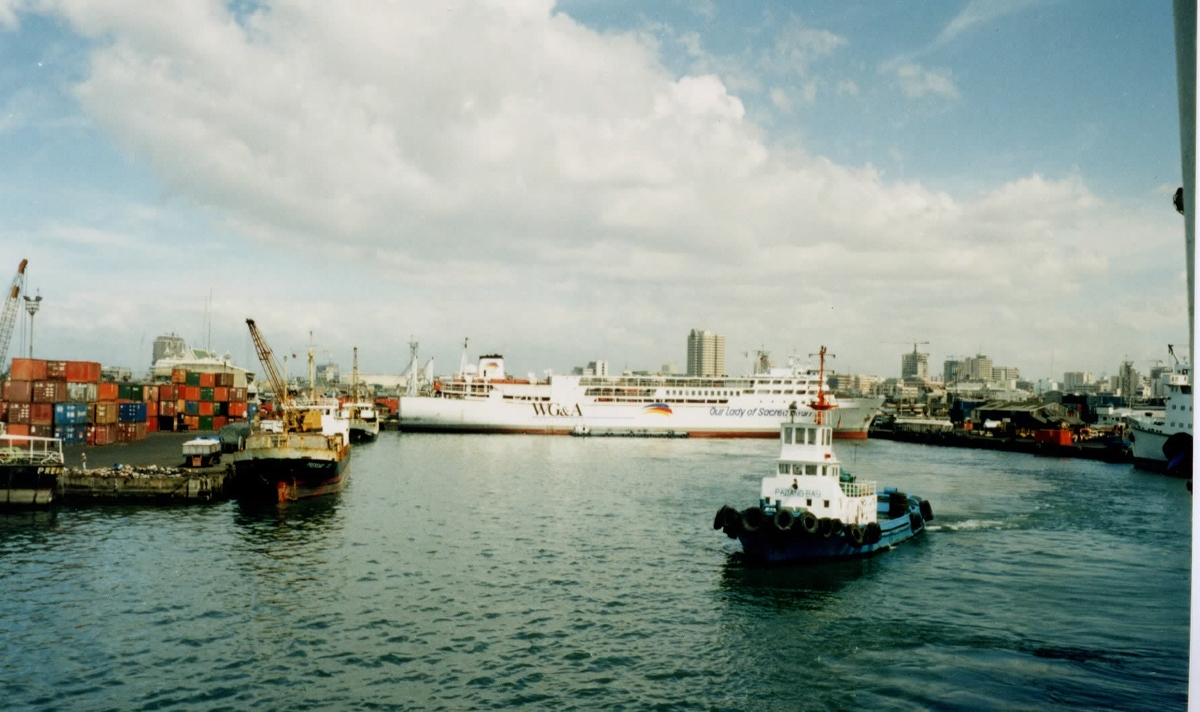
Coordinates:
column 208, row 401
column 49, row 398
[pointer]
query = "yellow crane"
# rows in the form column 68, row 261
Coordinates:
column 293, row 418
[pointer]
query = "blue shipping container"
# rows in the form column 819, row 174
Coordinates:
column 70, row 413
column 71, row 434
column 131, row 412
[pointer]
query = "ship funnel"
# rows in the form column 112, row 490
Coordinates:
column 491, row 367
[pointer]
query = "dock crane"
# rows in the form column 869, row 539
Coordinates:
column 9, row 317
column 294, row 419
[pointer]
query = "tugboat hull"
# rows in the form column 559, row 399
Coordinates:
column 770, row 545
column 290, row 467
column 28, row 485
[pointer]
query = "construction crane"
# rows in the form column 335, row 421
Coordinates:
column 292, row 417
column 11, row 306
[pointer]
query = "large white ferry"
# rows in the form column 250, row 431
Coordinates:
column 1150, row 433
column 488, row 401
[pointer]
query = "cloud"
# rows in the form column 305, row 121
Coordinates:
column 917, row 82
column 507, row 173
column 978, row 12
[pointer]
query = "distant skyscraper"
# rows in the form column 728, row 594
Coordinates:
column 706, row 353
column 952, row 371
column 167, row 345
column 914, row 366
column 977, row 368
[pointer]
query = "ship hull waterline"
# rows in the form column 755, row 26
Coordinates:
column 28, row 485
column 289, row 474
column 769, row 546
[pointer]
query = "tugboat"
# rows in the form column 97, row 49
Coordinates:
column 306, row 453
column 29, row 470
column 811, row 509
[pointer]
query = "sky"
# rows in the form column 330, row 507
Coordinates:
column 582, row 180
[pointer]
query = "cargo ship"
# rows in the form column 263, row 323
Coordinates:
column 304, row 453
column 29, row 470
column 488, row 401
column 1149, row 434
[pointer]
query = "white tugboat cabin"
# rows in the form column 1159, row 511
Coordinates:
column 810, row 479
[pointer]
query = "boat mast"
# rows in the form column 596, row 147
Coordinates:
column 354, row 376
column 821, row 405
column 312, row 372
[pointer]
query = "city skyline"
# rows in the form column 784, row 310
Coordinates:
column 561, row 181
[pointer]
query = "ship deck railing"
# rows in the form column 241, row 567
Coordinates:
column 30, row 450
column 858, row 489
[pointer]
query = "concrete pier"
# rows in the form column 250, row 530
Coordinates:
column 143, row 472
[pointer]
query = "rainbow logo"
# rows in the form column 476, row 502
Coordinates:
column 657, row 409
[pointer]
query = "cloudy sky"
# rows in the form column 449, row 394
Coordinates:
column 591, row 179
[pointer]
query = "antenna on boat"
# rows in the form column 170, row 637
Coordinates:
column 462, row 368
column 821, row 405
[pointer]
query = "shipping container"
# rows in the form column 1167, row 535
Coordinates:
column 18, row 429
column 219, row 408
column 206, row 422
column 71, row 434
column 131, row 432
column 131, row 413
column 192, row 422
column 18, row 391
column 179, row 376
column 206, row 393
column 206, row 408
column 41, row 413
column 237, row 409
column 191, row 393
column 251, row 411
column 149, row 393
column 49, row 391
column 208, row 380
column 18, row 413
column 151, row 424
column 166, row 408
column 192, row 408
column 108, row 391
column 56, row 370
column 192, row 379
column 219, row 422
column 166, row 393
column 24, row 369
column 70, row 413
column 3, row 411
column 129, row 391
column 104, row 434
column 224, row 380
column 81, row 392
column 221, row 394
column 41, row 431
column 151, row 411
column 107, row 413
column 83, row 372
column 237, row 394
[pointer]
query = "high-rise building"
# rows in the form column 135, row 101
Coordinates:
column 1078, row 381
column 977, row 368
column 952, row 371
column 167, row 345
column 914, row 366
column 706, row 353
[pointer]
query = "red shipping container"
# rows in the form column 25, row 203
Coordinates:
column 166, row 408
column 237, row 409
column 131, row 432
column 206, row 408
column 41, row 413
column 56, row 370
column 83, row 372
column 151, row 424
column 151, row 410
column 193, row 422
column 191, row 393
column 18, row 429
column 105, row 434
column 166, row 393
column 221, row 394
column 107, row 391
column 41, row 431
column 18, row 391
column 18, row 413
column 208, row 380
column 219, row 421
column 149, row 394
column 49, row 391
column 24, row 369
column 91, row 435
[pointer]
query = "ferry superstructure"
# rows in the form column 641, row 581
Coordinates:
column 1150, row 433
column 487, row 401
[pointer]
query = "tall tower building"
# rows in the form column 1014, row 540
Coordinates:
column 706, row 353
column 167, row 345
column 914, row 366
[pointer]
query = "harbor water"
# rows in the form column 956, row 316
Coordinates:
column 514, row 572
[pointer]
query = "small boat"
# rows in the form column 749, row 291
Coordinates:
column 29, row 470
column 202, row 452
column 364, row 419
column 811, row 509
column 306, row 453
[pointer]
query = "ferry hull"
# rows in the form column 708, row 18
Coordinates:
column 497, row 415
column 770, row 546
column 28, row 485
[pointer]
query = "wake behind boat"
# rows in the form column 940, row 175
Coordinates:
column 305, row 453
